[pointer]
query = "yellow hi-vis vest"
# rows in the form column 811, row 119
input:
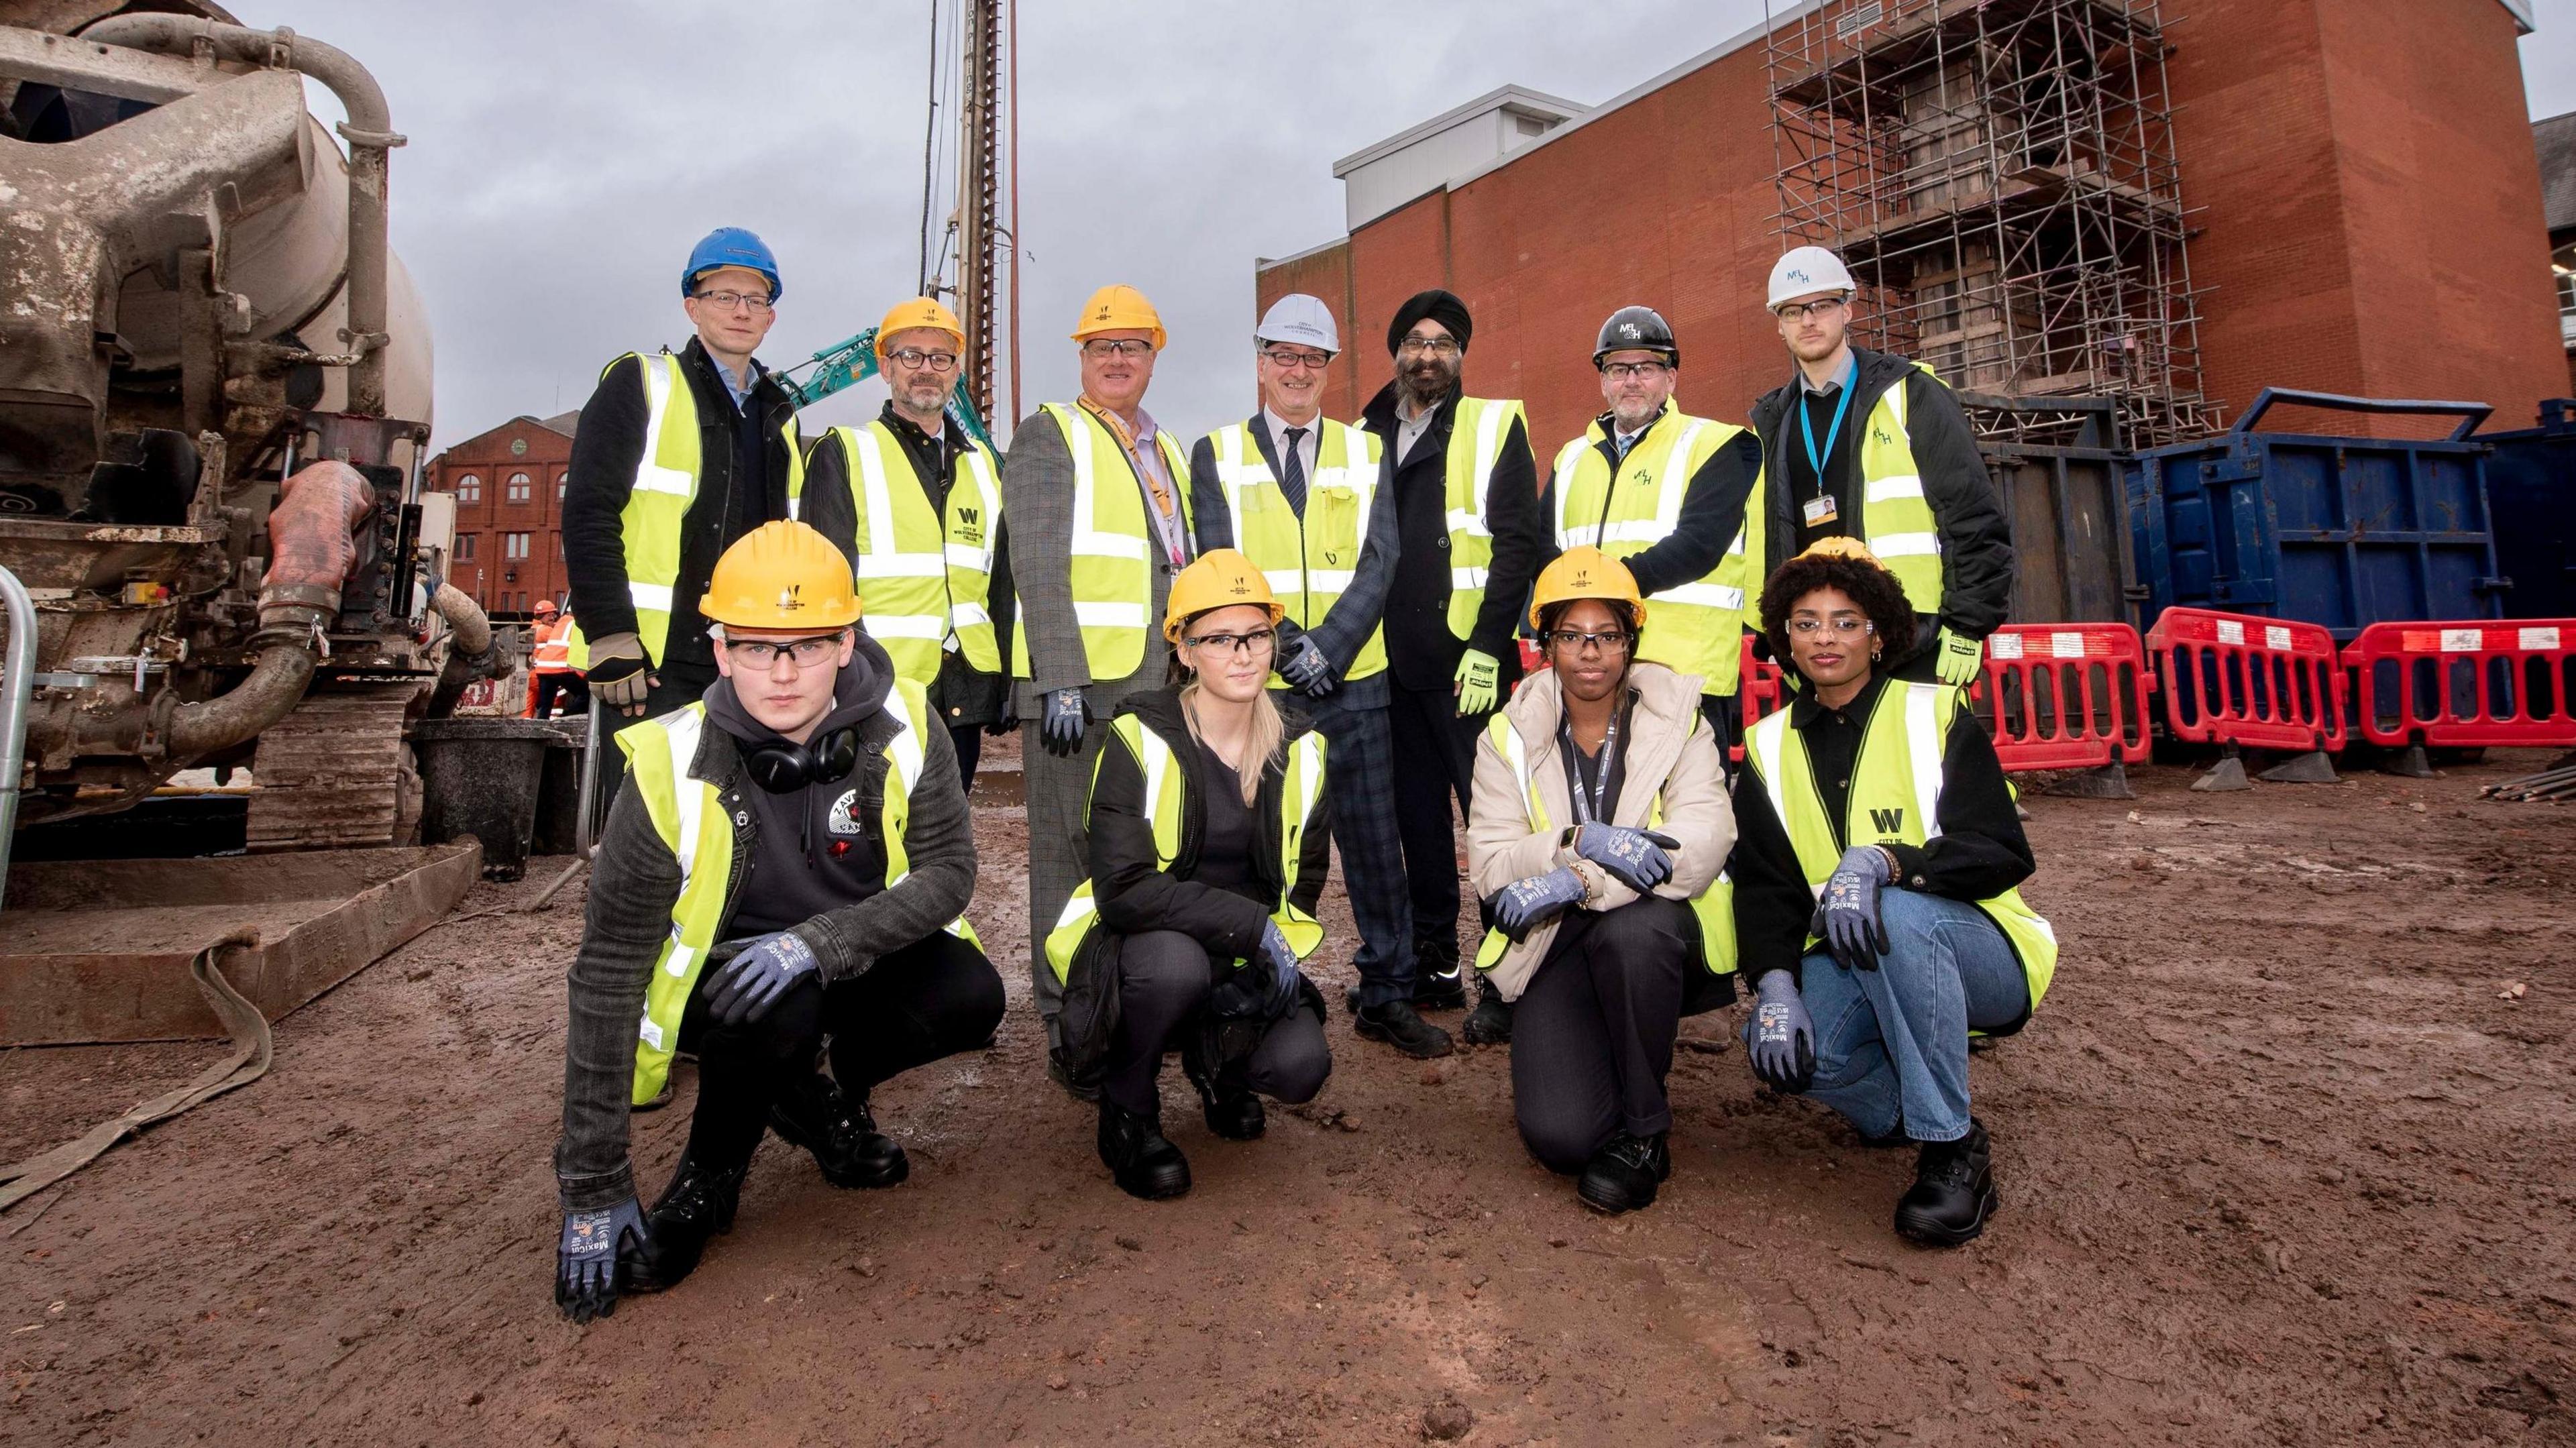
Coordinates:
column 1714, row 907
column 1696, row 628
column 1476, row 438
column 666, row 483
column 1895, row 519
column 1165, row 782
column 1309, row 561
column 1113, row 545
column 1896, row 793
column 697, row 830
column 923, row 577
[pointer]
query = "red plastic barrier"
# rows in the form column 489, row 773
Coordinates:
column 1758, row 687
column 2265, row 683
column 2065, row 695
column 2465, row 684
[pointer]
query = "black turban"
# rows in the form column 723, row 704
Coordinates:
column 1440, row 307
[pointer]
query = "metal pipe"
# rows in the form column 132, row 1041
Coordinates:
column 369, row 132
column 275, row 686
column 20, row 685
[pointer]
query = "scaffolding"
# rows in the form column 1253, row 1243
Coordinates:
column 2000, row 177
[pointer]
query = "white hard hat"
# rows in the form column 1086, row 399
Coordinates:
column 1300, row 319
column 1806, row 271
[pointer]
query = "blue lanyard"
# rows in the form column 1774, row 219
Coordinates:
column 1807, row 429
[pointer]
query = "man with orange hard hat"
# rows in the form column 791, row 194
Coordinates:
column 551, row 681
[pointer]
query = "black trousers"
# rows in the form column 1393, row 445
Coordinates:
column 1435, row 762
column 1163, row 983
column 1592, row 1034
column 969, row 740
column 933, row 998
column 565, row 689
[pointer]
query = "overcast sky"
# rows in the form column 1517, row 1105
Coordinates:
column 565, row 154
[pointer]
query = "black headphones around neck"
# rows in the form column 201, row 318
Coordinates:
column 783, row 768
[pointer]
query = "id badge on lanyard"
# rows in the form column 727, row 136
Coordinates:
column 1821, row 508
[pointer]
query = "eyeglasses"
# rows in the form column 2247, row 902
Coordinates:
column 1822, row 306
column 1572, row 641
column 1254, row 641
column 1843, row 627
column 1636, row 371
column 915, row 357
column 1105, row 347
column 763, row 653
column 1428, row 347
column 727, row 301
column 1288, row 360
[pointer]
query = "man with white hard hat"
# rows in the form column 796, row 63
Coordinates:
column 1298, row 493
column 1873, row 446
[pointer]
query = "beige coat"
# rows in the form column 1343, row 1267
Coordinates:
column 1669, row 748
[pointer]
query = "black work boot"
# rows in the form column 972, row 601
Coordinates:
column 1438, row 983
column 1490, row 1023
column 1232, row 1111
column 1400, row 1026
column 841, row 1132
column 698, row 1204
column 1136, row 1153
column 1624, row 1173
column 1953, row 1191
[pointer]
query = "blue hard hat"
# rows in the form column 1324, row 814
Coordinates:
column 731, row 246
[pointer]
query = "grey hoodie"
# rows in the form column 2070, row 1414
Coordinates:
column 817, row 849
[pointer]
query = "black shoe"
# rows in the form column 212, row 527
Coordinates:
column 1145, row 1164
column 1953, row 1191
column 1624, row 1173
column 1490, row 1023
column 697, row 1205
column 841, row 1133
column 1232, row 1111
column 1400, row 1026
column 1436, row 991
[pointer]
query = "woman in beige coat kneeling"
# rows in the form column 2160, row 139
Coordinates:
column 1598, row 839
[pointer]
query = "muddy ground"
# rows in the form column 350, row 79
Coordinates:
column 2279, row 1162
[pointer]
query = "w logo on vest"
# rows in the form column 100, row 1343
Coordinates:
column 1888, row 821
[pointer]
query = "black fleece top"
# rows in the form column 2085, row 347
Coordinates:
column 821, row 847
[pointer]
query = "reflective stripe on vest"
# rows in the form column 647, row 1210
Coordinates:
column 1311, row 559
column 1694, row 628
column 1895, row 519
column 923, row 576
column 1896, row 791
column 695, row 828
column 1713, row 906
column 1112, row 547
column 657, row 504
column 1476, row 437
column 553, row 653
column 1166, row 783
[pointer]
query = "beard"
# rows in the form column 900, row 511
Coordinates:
column 1430, row 380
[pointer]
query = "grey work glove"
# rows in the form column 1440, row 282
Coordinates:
column 1062, row 718
column 1847, row 917
column 1781, row 1037
column 1262, row 988
column 586, row 1258
column 1523, row 904
column 619, row 674
column 745, row 987
column 1281, row 961
column 1308, row 671
column 1633, row 857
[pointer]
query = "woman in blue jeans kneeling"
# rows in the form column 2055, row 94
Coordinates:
column 1876, row 863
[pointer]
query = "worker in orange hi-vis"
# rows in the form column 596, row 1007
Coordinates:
column 551, row 680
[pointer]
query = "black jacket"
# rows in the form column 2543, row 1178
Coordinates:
column 1420, row 650
column 607, row 445
column 1976, row 539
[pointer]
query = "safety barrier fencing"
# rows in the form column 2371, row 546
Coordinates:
column 2467, row 684
column 2066, row 695
column 1759, row 687
column 2260, row 683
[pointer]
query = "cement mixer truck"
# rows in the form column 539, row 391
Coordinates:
column 214, row 397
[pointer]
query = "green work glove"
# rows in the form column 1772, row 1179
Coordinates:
column 1959, row 659
column 1480, row 677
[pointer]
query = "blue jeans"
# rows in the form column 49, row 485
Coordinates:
column 1892, row 1043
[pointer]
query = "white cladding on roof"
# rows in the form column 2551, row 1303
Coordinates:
column 1416, row 162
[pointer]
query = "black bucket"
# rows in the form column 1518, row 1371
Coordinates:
column 484, row 777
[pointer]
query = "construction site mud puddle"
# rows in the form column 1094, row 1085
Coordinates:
column 2285, row 1158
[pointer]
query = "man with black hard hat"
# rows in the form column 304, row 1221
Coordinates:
column 1471, row 539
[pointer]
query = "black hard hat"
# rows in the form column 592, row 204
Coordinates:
column 1636, row 329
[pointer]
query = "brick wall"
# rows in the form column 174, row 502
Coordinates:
column 480, row 472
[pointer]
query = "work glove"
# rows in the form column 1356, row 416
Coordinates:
column 1781, row 1036
column 1061, row 721
column 1263, row 987
column 1959, row 658
column 1480, row 679
column 1308, row 671
column 619, row 674
column 1635, row 858
column 1010, row 716
column 586, row 1258
column 745, row 987
column 1281, row 961
column 1524, row 904
column 1847, row 917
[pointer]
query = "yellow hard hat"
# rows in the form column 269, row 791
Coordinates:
column 1221, row 578
column 920, row 312
column 1587, row 572
column 781, row 575
column 1840, row 545
column 1119, row 308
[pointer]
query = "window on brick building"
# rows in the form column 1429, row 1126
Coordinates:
column 465, row 545
column 514, row 545
column 519, row 487
column 563, row 481
column 559, row 553
column 469, row 489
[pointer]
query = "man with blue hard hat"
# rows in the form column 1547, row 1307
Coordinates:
column 676, row 456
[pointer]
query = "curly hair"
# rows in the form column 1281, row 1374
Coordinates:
column 1880, row 596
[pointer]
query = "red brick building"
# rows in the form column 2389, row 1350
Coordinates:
column 2357, row 182
column 509, row 486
